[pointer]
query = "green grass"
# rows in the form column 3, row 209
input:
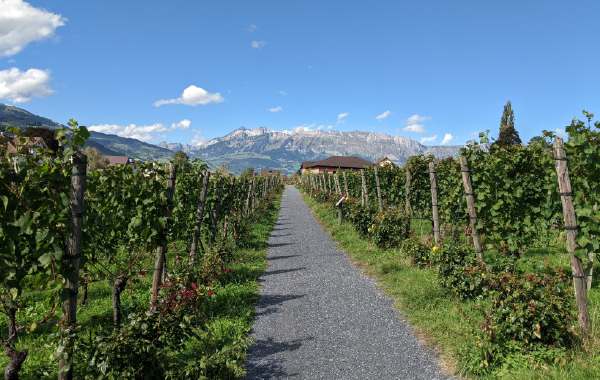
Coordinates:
column 450, row 325
column 222, row 341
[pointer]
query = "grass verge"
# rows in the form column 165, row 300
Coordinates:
column 445, row 323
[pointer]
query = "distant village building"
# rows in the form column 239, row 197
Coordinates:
column 118, row 160
column 383, row 162
column 335, row 163
column 25, row 144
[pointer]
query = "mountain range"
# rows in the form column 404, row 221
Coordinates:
column 258, row 148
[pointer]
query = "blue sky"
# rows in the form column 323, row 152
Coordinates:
column 438, row 67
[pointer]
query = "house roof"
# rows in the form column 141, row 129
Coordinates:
column 348, row 162
column 117, row 160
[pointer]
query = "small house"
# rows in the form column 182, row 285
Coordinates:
column 334, row 164
column 118, row 160
column 384, row 162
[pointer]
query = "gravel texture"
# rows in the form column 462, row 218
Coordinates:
column 319, row 317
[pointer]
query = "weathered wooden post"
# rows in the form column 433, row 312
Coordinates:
column 566, row 197
column 160, row 261
column 329, row 175
column 346, row 184
column 336, row 180
column 434, row 204
column 364, row 194
column 470, row 197
column 71, row 262
column 199, row 217
column 407, row 184
column 378, row 188
column 248, row 199
column 252, row 195
column 213, row 213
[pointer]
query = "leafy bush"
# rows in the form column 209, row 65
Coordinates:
column 361, row 217
column 213, row 265
column 135, row 351
column 461, row 272
column 416, row 251
column 389, row 228
column 531, row 312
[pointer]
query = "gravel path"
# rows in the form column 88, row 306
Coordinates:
column 320, row 318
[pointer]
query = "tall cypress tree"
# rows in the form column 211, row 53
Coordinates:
column 508, row 134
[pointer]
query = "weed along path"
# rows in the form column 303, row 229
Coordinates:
column 319, row 317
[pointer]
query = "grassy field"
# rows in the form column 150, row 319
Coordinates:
column 220, row 345
column 448, row 324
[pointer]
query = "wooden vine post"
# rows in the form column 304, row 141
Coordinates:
column 252, row 197
column 248, row 197
column 378, row 188
column 434, row 204
column 71, row 262
column 336, row 180
column 346, row 184
column 566, row 197
column 470, row 197
column 364, row 201
column 199, row 217
column 329, row 175
column 407, row 184
column 160, row 261
column 214, row 212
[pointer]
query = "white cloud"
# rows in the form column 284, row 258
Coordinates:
column 134, row 131
column 20, row 86
column 139, row 132
column 21, row 24
column 192, row 96
column 198, row 139
column 252, row 28
column 258, row 44
column 447, row 138
column 415, row 123
column 276, row 109
column 183, row 124
column 383, row 115
column 283, row 93
column 313, row 127
column 342, row 117
column 430, row 139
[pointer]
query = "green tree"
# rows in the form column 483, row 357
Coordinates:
column 95, row 159
column 508, row 134
column 180, row 159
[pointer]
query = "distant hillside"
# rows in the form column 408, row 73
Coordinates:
column 11, row 116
